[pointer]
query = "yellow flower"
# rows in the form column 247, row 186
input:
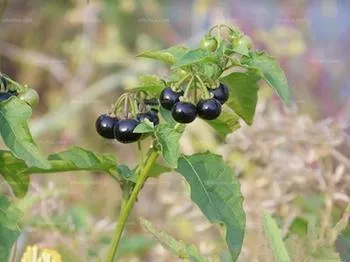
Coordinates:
column 35, row 254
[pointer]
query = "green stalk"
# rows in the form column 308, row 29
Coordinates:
column 177, row 85
column 188, row 88
column 125, row 212
column 204, row 89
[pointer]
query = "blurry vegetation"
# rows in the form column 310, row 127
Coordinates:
column 293, row 166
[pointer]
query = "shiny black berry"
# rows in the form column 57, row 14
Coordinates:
column 151, row 101
column 7, row 95
column 184, row 112
column 221, row 93
column 124, row 131
column 209, row 109
column 150, row 115
column 105, row 124
column 168, row 98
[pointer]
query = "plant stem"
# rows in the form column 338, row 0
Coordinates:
column 125, row 212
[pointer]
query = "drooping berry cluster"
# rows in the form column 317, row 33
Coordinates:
column 184, row 111
column 113, row 126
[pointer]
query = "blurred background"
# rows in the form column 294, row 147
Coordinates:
column 293, row 162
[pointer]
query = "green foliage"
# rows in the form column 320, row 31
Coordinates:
column 166, row 115
column 243, row 94
column 167, row 138
column 145, row 127
column 216, row 191
column 168, row 56
column 241, row 49
column 150, row 84
column 158, row 169
column 195, row 56
column 14, row 115
column 16, row 172
column 9, row 227
column 80, row 159
column 178, row 248
column 226, row 123
column 271, row 73
column 273, row 235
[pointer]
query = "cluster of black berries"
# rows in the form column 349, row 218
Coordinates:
column 4, row 92
column 113, row 127
column 186, row 112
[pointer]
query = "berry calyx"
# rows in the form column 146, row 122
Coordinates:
column 151, row 115
column 168, row 98
column 124, row 131
column 209, row 109
column 184, row 112
column 105, row 124
column 221, row 93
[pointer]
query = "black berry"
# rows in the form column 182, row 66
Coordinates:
column 209, row 109
column 150, row 115
column 105, row 124
column 184, row 112
column 7, row 95
column 151, row 102
column 168, row 98
column 221, row 93
column 124, row 131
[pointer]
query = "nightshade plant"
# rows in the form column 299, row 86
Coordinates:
column 216, row 82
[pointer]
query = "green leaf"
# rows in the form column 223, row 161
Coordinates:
column 216, row 190
column 14, row 130
column 210, row 71
column 272, row 74
column 14, row 172
column 177, row 247
column 9, row 227
column 273, row 236
column 78, row 158
column 145, row 126
column 166, row 115
column 126, row 173
column 241, row 49
column 226, row 123
column 167, row 56
column 149, row 83
column 195, row 56
column 243, row 94
column 131, row 175
column 168, row 140
column 157, row 170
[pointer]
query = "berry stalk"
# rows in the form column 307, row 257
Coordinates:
column 125, row 212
